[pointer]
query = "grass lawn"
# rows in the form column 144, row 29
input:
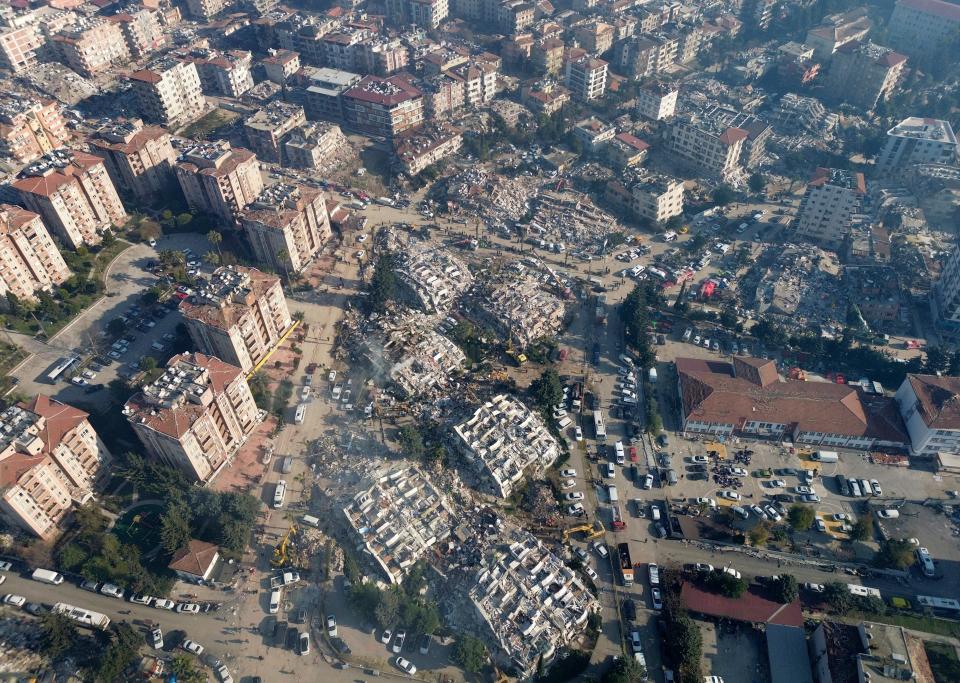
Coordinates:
column 943, row 661
column 202, row 127
column 140, row 527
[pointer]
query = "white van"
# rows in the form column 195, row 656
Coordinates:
column 300, row 414
column 655, row 513
column 612, row 493
column 47, row 576
column 310, row 520
column 565, row 422
column 610, row 471
column 275, row 598
column 279, row 493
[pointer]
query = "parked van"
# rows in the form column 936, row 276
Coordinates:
column 47, row 576
column 287, row 464
column 310, row 520
column 611, row 471
column 612, row 493
column 826, row 456
column 275, row 598
column 854, row 488
column 279, row 493
column 300, row 414
column 672, row 477
column 925, row 562
column 655, row 513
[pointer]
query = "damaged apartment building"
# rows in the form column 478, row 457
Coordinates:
column 531, row 603
column 431, row 279
column 504, row 439
column 515, row 305
column 411, row 356
column 398, row 518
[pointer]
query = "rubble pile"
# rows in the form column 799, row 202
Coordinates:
column 571, row 218
column 19, row 641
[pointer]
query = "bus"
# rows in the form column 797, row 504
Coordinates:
column 61, row 367
column 83, row 617
column 946, row 604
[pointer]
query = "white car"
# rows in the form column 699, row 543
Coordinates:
column 361, row 253
column 776, row 484
column 820, row 525
column 810, row 498
column 6, row 566
column 656, row 598
column 163, row 603
column 875, row 485
column 841, row 516
column 772, row 513
column 576, row 509
column 803, row 489
column 758, row 511
column 139, row 599
column 729, row 495
column 567, row 473
column 647, row 482
column 405, row 665
column 591, row 572
column 738, row 472
column 731, row 571
column 15, row 600
column 814, row 587
column 705, row 501
column 224, row 673
column 188, row 608
column 700, row 459
column 574, row 495
column 111, row 590
column 386, row 637
column 888, row 514
column 194, row 647
column 702, row 567
column 156, row 637
column 568, row 484
column 578, row 433
column 332, row 626
column 599, row 548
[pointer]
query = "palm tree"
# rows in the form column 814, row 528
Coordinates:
column 215, row 238
column 283, row 256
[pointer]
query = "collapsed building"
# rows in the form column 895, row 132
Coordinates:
column 398, row 518
column 432, row 279
column 515, row 305
column 504, row 439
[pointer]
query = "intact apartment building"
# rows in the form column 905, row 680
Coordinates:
column 268, row 127
column 863, row 74
column 239, row 315
column 29, row 258
column 923, row 26
column 708, row 145
column 20, row 41
column 586, row 77
column 657, row 101
column 930, row 406
column 504, row 441
column 281, row 65
column 225, row 73
column 918, row 141
column 426, row 13
column 323, row 99
column 656, row 197
column 92, row 46
column 139, row 158
column 30, row 128
column 50, row 460
column 826, row 212
column 287, row 226
column 383, row 106
column 218, row 179
column 73, row 193
column 195, row 416
column 141, row 30
column 206, row 9
column 169, row 92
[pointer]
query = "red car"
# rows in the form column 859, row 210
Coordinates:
column 633, row 453
column 312, row 368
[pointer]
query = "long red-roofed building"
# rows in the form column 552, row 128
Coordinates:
column 195, row 416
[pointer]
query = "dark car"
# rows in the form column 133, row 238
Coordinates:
column 634, row 473
column 301, row 616
column 293, row 636
column 279, row 633
column 629, row 608
column 34, row 608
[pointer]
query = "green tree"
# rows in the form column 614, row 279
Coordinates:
column 625, row 670
column 801, row 516
column 119, row 655
column 760, row 534
column 411, row 442
column 116, row 327
column 785, row 588
column 383, row 284
column 547, row 390
column 387, row 612
column 723, row 195
column 58, row 635
column 175, row 527
column 838, row 597
column 185, row 668
column 686, row 641
column 184, row 219
column 894, row 554
column 364, row 598
column 212, row 258
column 937, row 360
column 470, row 653
column 724, row 583
column 756, row 182
column 862, row 529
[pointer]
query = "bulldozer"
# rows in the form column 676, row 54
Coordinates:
column 590, row 531
column 280, row 558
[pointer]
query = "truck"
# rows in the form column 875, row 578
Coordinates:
column 599, row 427
column 385, row 201
column 47, row 576
column 83, row 617
column 652, row 375
column 826, row 456
column 626, row 564
column 863, row 591
column 616, row 518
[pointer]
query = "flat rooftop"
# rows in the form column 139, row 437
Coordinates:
column 916, row 128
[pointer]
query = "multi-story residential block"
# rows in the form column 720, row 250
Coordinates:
column 586, row 77
column 287, row 226
column 418, row 148
column 593, row 134
column 505, row 441
column 20, row 41
column 268, row 127
column 206, row 9
column 304, row 35
column 837, row 30
column 928, row 405
column 626, row 150
column 758, row 132
column 73, row 193
column 91, row 47
column 342, row 47
column 29, row 259
column 544, row 97
column 239, row 315
column 219, row 179
column 713, row 148
column 918, row 141
column 431, row 279
column 479, row 81
column 169, row 92
column 427, row 13
column 826, row 213
column 510, row 16
column 281, row 65
column 863, row 74
column 923, row 26
column 657, row 101
column 383, row 106
column 139, row 158
column 443, row 94
column 30, row 128
column 314, row 145
column 646, row 55
column 382, row 56
column 141, row 30
column 652, row 197
column 443, row 58
column 596, row 36
column 195, row 416
column 323, row 99
column 224, row 73
column 945, row 296
column 51, row 459
column 547, row 56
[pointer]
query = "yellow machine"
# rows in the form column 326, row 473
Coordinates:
column 590, row 531
column 280, row 552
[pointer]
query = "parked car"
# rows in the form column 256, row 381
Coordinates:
column 332, row 626
column 398, row 641
column 194, row 647
column 656, row 598
column 405, row 665
column 156, row 638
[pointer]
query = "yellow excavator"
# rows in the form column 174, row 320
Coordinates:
column 591, row 531
column 280, row 552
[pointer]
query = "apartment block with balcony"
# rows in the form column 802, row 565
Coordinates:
column 92, row 46
column 139, row 158
column 826, row 212
column 921, row 27
column 195, row 416
column 649, row 196
column 218, row 179
column 544, row 97
column 73, row 193
column 586, row 77
column 547, row 56
column 29, row 259
column 30, row 128
column 287, row 226
column 419, row 148
column 863, row 74
column 657, row 101
column 168, row 92
column 20, row 41
column 52, row 459
column 479, row 81
column 597, row 36
column 324, row 89
column 383, row 106
column 268, row 127
column 206, row 9
column 281, row 65
column 221, row 72
column 945, row 297
column 141, row 30
column 240, row 315
column 706, row 144
column 918, row 141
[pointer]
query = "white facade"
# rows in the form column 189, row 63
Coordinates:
column 657, row 103
column 917, row 141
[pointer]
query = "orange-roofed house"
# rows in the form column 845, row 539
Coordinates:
column 196, row 562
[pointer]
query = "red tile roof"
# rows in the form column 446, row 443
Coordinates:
column 60, row 418
column 944, row 10
column 195, row 558
column 732, row 136
column 939, row 399
column 392, row 91
column 54, row 179
column 749, row 607
column 633, row 141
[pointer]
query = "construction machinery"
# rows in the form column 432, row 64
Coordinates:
column 590, row 531
column 280, row 552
